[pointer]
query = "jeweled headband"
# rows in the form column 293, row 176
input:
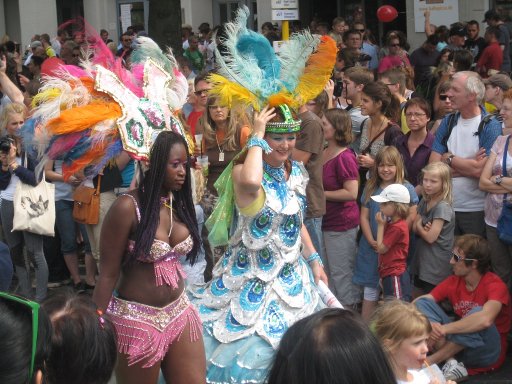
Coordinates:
column 289, row 125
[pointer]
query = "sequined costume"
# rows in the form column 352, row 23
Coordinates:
column 260, row 287
column 145, row 332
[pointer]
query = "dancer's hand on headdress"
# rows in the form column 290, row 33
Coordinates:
column 261, row 119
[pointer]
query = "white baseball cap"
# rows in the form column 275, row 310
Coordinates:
column 396, row 193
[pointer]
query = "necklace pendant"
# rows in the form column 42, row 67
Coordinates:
column 221, row 156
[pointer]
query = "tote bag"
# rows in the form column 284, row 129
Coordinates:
column 34, row 208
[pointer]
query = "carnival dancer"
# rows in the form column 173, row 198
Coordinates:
column 86, row 118
column 265, row 281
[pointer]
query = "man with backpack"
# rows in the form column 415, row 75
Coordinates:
column 463, row 141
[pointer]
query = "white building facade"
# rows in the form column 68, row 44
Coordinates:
column 21, row 19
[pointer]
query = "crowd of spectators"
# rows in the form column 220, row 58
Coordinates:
column 433, row 120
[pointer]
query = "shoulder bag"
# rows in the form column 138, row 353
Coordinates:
column 86, row 208
column 34, row 208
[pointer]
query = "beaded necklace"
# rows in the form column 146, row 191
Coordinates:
column 277, row 173
column 167, row 202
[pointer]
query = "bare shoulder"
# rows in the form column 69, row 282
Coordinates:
column 125, row 206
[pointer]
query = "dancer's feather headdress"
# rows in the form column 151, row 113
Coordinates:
column 87, row 116
column 251, row 74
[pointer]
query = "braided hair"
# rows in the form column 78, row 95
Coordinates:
column 150, row 191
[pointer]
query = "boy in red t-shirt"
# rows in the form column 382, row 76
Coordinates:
column 393, row 241
column 477, row 338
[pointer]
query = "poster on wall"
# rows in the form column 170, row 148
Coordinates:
column 442, row 12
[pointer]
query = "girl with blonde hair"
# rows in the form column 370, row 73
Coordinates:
column 388, row 169
column 434, row 227
column 403, row 332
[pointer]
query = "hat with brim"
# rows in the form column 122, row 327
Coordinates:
column 396, row 193
column 499, row 80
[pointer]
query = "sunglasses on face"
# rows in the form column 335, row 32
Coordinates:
column 34, row 309
column 444, row 97
column 394, row 45
column 201, row 92
column 458, row 258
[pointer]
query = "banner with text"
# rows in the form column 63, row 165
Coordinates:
column 442, row 12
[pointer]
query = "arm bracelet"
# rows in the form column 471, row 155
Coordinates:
column 257, row 142
column 314, row 257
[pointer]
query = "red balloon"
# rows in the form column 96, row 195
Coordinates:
column 387, row 13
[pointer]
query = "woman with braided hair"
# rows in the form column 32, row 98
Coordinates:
column 143, row 237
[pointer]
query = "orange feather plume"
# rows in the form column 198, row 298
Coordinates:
column 317, row 71
column 281, row 98
column 80, row 118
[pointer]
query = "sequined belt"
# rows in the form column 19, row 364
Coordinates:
column 156, row 317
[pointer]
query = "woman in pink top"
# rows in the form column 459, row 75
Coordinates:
column 341, row 221
column 397, row 56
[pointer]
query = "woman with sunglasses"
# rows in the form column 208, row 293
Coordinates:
column 25, row 337
column 396, row 57
column 497, row 182
column 442, row 105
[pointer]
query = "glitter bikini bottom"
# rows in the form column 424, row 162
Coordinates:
column 144, row 332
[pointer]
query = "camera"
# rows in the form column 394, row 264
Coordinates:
column 5, row 144
column 338, row 88
column 363, row 57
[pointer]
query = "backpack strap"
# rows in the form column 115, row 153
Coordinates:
column 452, row 120
column 483, row 123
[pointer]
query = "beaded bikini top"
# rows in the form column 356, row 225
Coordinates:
column 161, row 249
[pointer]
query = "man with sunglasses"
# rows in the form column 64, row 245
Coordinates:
column 463, row 141
column 367, row 47
column 201, row 88
column 481, row 303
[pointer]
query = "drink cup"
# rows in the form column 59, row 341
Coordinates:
column 203, row 162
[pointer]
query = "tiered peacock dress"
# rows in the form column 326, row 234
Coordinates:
column 260, row 287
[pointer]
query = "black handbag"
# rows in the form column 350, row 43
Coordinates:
column 504, row 227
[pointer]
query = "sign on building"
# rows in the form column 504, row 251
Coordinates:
column 442, row 12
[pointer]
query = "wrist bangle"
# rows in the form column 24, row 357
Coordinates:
column 101, row 319
column 257, row 142
column 314, row 257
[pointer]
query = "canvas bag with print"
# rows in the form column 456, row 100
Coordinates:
column 34, row 208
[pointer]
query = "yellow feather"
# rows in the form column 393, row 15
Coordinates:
column 230, row 93
column 46, row 95
column 317, row 72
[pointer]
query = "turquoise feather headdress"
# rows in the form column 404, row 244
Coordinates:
column 250, row 73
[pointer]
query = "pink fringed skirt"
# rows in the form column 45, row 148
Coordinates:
column 144, row 333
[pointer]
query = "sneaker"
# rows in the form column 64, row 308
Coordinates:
column 58, row 283
column 453, row 370
column 79, row 287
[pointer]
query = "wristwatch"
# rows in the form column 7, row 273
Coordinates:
column 498, row 179
column 449, row 160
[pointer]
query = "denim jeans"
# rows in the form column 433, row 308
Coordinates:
column 314, row 227
column 481, row 348
column 34, row 246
